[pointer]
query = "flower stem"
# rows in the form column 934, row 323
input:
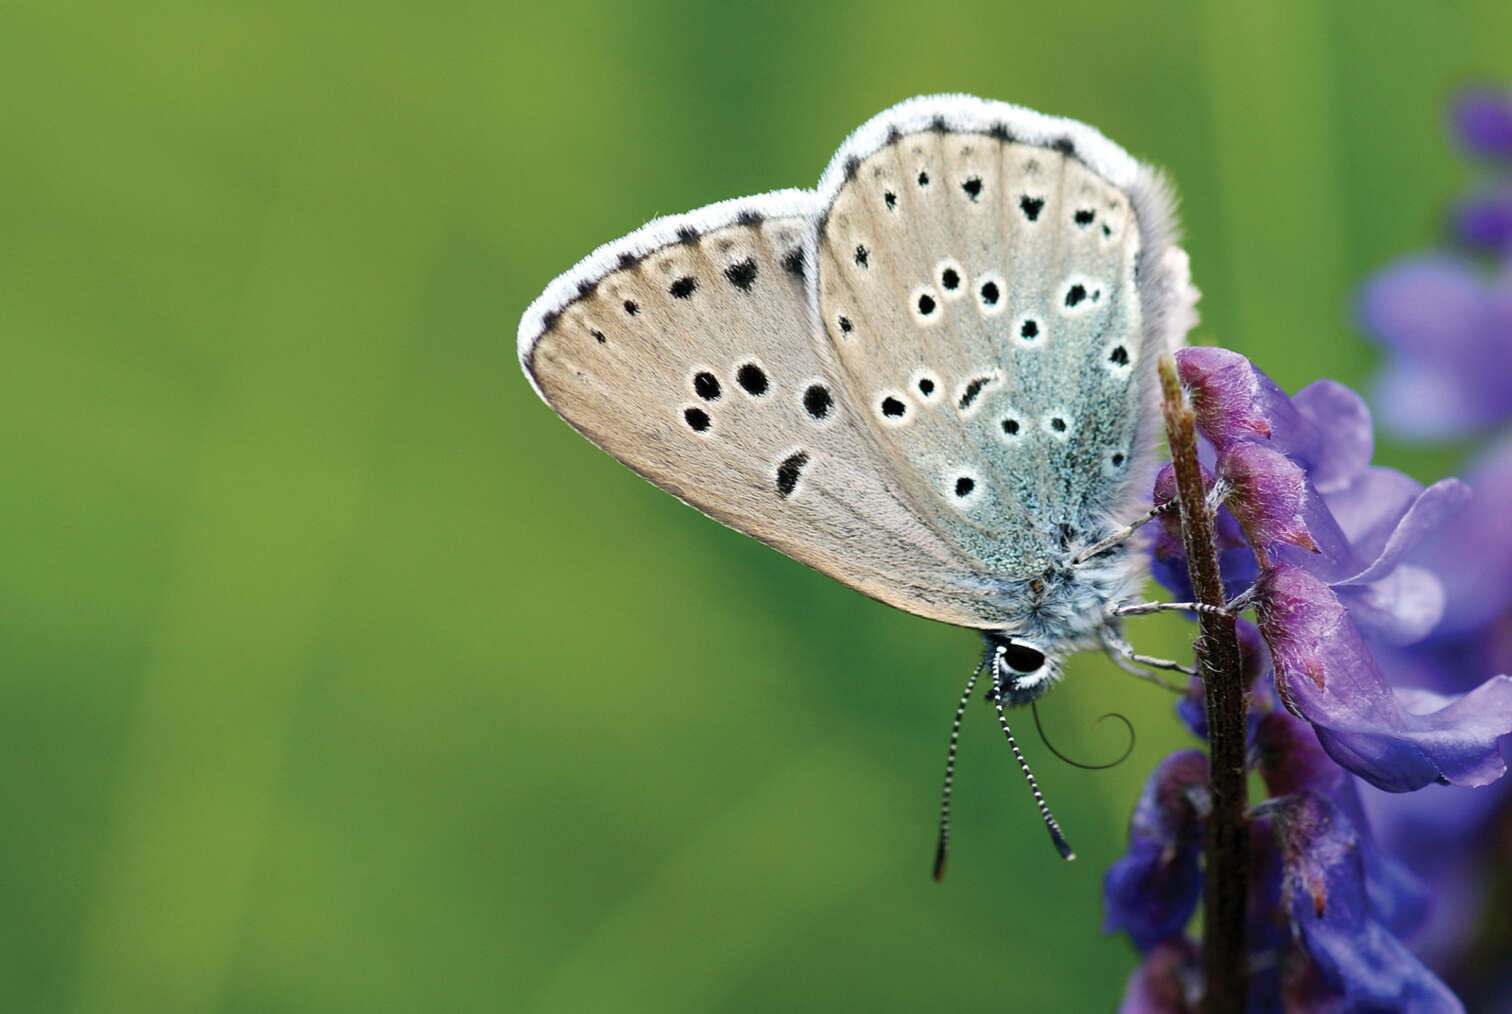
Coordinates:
column 1226, row 846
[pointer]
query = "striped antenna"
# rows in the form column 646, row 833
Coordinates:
column 1061, row 845
column 950, row 755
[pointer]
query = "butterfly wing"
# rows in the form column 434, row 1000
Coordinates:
column 704, row 352
column 995, row 286
column 687, row 350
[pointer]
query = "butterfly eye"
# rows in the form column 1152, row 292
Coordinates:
column 1023, row 659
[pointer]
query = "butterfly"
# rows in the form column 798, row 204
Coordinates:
column 931, row 378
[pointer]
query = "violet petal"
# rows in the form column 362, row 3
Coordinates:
column 1482, row 120
column 1325, row 674
column 1325, row 896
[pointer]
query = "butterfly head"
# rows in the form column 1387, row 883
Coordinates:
column 1021, row 670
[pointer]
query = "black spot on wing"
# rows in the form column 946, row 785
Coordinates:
column 973, row 388
column 789, row 471
column 586, row 289
column 851, row 165
column 742, row 275
column 549, row 320
column 627, row 261
column 750, row 218
column 752, row 379
column 817, row 401
column 999, row 132
column 1031, row 206
column 683, row 288
column 973, row 187
column 792, row 262
column 1065, row 146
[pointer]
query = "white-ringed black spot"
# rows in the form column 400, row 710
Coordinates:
column 683, row 287
column 891, row 200
column 632, row 307
column 1117, row 459
column 863, row 256
column 926, row 304
column 950, row 279
column 1010, row 427
column 926, row 387
column 706, row 385
column 789, row 472
column 697, row 419
column 989, row 293
column 792, row 262
column 1057, row 424
column 973, row 187
column 1031, row 206
column 1119, row 356
column 893, row 408
column 1075, row 294
column 742, row 275
column 1084, row 216
column 1029, row 330
column 817, row 401
column 752, row 379
column 964, row 484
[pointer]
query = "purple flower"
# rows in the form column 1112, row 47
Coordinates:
column 1483, row 221
column 1352, row 954
column 1358, row 522
column 1482, row 121
column 1326, row 674
column 1265, row 492
column 1167, row 981
column 1447, row 326
column 1287, row 755
column 1152, row 891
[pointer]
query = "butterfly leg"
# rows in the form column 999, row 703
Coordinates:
column 1122, row 534
column 1145, row 608
column 1130, row 661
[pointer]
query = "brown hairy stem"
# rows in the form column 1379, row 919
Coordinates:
column 1226, row 844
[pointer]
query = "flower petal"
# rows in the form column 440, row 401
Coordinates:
column 1325, row 674
column 1151, row 891
column 1324, row 887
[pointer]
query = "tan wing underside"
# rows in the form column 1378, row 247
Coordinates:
column 622, row 364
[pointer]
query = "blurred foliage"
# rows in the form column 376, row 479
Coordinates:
column 341, row 676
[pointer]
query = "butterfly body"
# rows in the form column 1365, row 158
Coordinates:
column 931, row 378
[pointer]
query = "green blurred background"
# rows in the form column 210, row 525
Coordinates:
column 339, row 675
